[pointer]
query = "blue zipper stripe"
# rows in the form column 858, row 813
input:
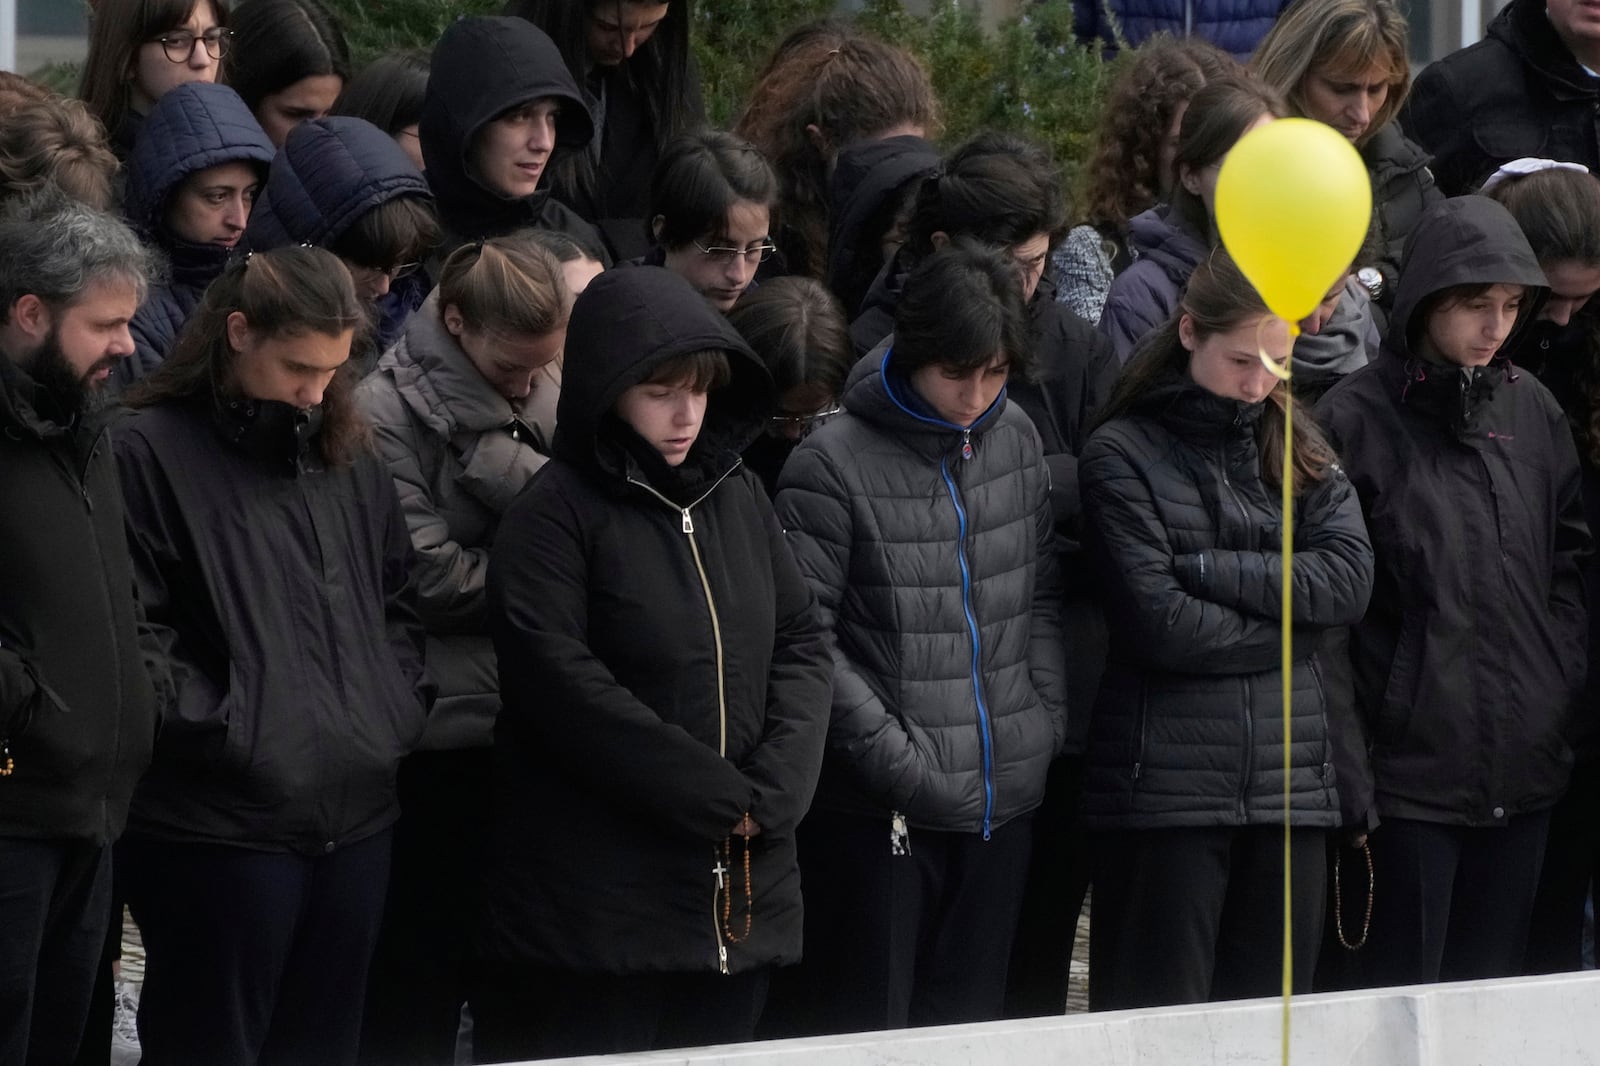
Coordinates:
column 888, row 389
column 972, row 628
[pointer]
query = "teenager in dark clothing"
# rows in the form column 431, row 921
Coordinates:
column 1473, row 653
column 921, row 517
column 1184, row 791
column 195, row 173
column 499, row 102
column 272, row 558
column 632, row 60
column 870, row 197
column 1526, row 89
column 665, row 696
column 289, row 64
column 1558, row 210
column 77, row 706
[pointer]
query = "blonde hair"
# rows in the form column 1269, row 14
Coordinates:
column 511, row 284
column 56, row 141
column 1337, row 36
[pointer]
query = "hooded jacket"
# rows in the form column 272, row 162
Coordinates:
column 1184, row 535
column 77, row 704
column 280, row 590
column 1471, row 656
column 1518, row 92
column 328, row 174
column 931, row 551
column 662, row 671
column 193, row 127
column 867, row 181
column 483, row 67
column 459, row 453
column 1166, row 252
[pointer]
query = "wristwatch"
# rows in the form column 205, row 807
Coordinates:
column 1371, row 279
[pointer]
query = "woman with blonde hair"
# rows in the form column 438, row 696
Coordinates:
column 1344, row 63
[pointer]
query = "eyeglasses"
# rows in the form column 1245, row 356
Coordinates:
column 179, row 44
column 798, row 427
column 726, row 256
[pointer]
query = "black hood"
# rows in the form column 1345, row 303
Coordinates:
column 1526, row 29
column 866, row 176
column 1467, row 240
column 624, row 325
column 483, row 67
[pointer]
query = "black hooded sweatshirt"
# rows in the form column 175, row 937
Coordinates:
column 482, row 68
column 662, row 671
column 1473, row 651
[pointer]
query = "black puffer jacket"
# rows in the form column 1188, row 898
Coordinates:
column 1185, row 536
column 1470, row 659
column 1518, row 92
column 1402, row 189
column 662, row 669
column 76, row 703
column 280, row 589
column 931, row 551
column 483, row 67
column 459, row 452
column 191, row 128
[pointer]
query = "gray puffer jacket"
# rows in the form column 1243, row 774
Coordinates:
column 459, row 453
column 929, row 548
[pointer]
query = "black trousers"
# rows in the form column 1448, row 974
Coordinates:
column 419, row 977
column 1569, row 877
column 254, row 956
column 521, row 1013
column 893, row 941
column 1058, row 879
column 1196, row 915
column 54, row 901
column 1451, row 903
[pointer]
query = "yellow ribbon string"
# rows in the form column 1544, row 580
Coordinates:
column 1283, row 374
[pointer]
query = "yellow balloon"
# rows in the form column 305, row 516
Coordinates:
column 1293, row 204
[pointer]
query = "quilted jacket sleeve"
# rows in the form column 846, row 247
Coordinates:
column 1047, row 649
column 1133, row 308
column 870, row 741
column 1332, row 567
column 1169, row 626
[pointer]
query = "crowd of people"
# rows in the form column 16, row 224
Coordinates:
column 491, row 566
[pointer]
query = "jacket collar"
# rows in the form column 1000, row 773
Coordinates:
column 878, row 392
column 1526, row 30
column 26, row 410
column 1195, row 414
column 439, row 383
column 1457, row 398
column 276, row 433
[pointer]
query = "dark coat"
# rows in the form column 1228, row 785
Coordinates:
column 459, row 453
column 1518, row 92
column 1185, row 535
column 1402, row 189
column 280, row 589
column 662, row 671
column 1142, row 297
column 1473, row 652
column 77, row 704
column 931, row 550
column 328, row 174
column 1235, row 26
column 868, row 184
column 195, row 126
column 483, row 67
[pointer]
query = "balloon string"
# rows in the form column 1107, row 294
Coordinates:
column 1282, row 373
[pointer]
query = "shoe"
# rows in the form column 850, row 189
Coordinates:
column 124, row 1024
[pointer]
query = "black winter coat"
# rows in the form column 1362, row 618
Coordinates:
column 191, row 128
column 1185, row 536
column 483, row 67
column 1402, row 189
column 1518, row 92
column 1473, row 652
column 280, row 590
column 931, row 551
column 662, row 671
column 77, row 705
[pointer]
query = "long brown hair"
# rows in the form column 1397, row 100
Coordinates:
column 288, row 291
column 1218, row 117
column 1337, row 37
column 1217, row 300
column 116, row 30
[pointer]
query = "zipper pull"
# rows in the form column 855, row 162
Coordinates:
column 688, row 522
column 899, row 835
column 966, row 444
column 722, row 958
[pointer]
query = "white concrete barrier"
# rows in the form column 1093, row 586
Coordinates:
column 1530, row 1021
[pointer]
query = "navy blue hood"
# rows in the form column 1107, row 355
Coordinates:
column 192, row 127
column 329, row 173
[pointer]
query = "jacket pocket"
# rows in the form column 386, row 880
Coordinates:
column 1509, row 139
column 1405, row 677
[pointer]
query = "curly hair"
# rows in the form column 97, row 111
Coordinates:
column 826, row 86
column 1124, row 164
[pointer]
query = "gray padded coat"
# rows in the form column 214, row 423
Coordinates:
column 459, row 453
column 930, row 550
